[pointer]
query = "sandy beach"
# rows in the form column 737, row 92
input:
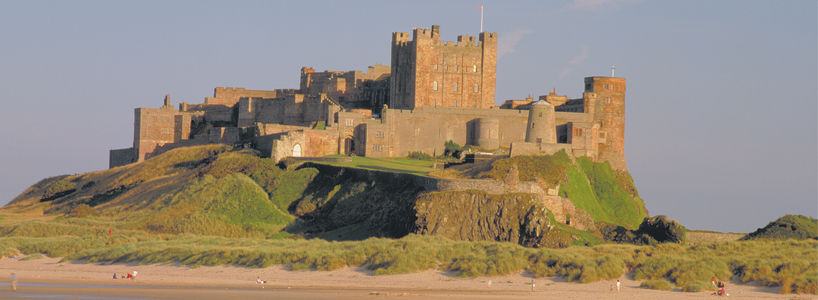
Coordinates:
column 48, row 278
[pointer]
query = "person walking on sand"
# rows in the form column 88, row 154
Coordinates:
column 13, row 282
column 532, row 284
column 617, row 285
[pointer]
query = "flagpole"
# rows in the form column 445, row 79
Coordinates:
column 481, row 18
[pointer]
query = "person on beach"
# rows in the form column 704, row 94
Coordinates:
column 713, row 280
column 13, row 282
column 258, row 280
column 617, row 285
column 133, row 277
column 532, row 284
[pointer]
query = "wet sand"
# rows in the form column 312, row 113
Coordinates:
column 47, row 278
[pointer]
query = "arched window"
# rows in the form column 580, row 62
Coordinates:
column 297, row 150
column 455, row 86
column 476, row 88
column 434, row 85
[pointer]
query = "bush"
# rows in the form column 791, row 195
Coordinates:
column 657, row 285
column 420, row 156
column 698, row 286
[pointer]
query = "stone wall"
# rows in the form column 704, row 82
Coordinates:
column 120, row 157
column 522, row 148
column 340, row 86
column 567, row 213
column 295, row 109
column 229, row 96
column 426, row 129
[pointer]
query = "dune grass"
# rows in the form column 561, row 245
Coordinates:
column 789, row 264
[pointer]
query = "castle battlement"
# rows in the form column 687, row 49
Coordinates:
column 433, row 92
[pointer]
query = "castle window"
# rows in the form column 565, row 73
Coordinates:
column 539, row 140
column 434, row 85
column 540, row 114
column 588, row 87
column 455, row 103
column 455, row 86
column 445, row 67
column 607, row 100
column 156, row 119
column 455, row 68
column 349, row 122
column 474, row 68
column 475, row 104
column 532, row 125
column 435, row 66
column 578, row 132
column 379, row 134
column 476, row 88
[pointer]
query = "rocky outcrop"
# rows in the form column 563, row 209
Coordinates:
column 477, row 216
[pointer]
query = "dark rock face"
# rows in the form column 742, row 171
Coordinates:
column 477, row 216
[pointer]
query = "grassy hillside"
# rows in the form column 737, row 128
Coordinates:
column 606, row 194
column 787, row 227
column 214, row 205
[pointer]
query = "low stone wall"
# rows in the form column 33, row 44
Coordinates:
column 324, row 159
column 120, row 157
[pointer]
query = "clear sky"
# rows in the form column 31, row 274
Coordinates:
column 722, row 97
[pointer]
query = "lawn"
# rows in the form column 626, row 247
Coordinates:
column 397, row 165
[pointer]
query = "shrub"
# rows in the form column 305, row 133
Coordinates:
column 698, row 286
column 420, row 156
column 657, row 285
column 451, row 146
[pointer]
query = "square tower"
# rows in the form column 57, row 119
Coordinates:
column 608, row 109
column 429, row 72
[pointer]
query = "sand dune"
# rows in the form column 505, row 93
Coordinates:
column 48, row 278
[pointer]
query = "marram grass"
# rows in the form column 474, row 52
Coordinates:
column 790, row 264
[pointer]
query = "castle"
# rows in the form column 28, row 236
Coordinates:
column 433, row 92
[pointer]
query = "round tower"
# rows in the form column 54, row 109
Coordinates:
column 540, row 128
column 487, row 133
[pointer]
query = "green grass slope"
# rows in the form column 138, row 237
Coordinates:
column 787, row 227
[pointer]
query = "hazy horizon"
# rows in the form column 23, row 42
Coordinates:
column 721, row 106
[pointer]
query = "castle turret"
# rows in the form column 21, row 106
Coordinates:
column 487, row 131
column 541, row 127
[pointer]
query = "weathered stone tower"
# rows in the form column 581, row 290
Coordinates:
column 608, row 110
column 429, row 72
column 486, row 133
column 541, row 127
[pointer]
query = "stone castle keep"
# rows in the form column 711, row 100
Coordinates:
column 434, row 91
